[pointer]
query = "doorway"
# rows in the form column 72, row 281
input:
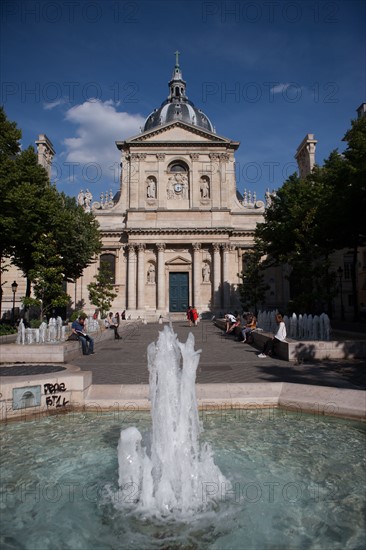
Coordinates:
column 178, row 292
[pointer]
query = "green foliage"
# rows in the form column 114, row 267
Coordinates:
column 47, row 275
column 101, row 293
column 10, row 137
column 6, row 329
column 35, row 323
column 32, row 207
column 252, row 290
column 76, row 314
column 309, row 219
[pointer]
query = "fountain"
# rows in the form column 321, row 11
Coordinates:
column 295, row 479
column 302, row 327
column 170, row 480
column 53, row 333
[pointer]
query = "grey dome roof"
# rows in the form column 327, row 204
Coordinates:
column 187, row 112
column 178, row 106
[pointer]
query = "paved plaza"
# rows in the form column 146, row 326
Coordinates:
column 223, row 360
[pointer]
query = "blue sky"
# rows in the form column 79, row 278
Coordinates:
column 88, row 73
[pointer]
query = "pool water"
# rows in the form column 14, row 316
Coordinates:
column 297, row 482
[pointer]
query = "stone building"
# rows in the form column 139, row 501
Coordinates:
column 177, row 233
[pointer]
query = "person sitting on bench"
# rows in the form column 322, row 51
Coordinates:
column 280, row 336
column 251, row 325
column 87, row 342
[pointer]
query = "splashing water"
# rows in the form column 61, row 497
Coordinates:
column 171, row 479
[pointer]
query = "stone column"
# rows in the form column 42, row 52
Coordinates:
column 216, row 286
column 131, row 278
column 141, row 276
column 225, row 274
column 196, row 275
column 161, row 183
column 161, row 276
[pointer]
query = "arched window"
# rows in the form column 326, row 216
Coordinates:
column 178, row 167
column 110, row 260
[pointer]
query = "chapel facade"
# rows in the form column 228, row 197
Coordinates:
column 178, row 231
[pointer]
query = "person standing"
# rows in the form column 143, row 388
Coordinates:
column 280, row 336
column 189, row 315
column 87, row 342
column 195, row 316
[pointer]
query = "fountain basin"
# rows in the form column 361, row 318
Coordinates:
column 56, row 385
column 297, row 482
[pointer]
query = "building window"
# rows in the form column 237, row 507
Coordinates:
column 178, row 167
column 110, row 260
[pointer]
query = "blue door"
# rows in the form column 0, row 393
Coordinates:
column 178, row 292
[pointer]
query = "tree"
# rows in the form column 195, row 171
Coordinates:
column 354, row 197
column 291, row 235
column 10, row 137
column 32, row 207
column 101, row 293
column 47, row 276
column 252, row 290
column 77, row 234
column 311, row 218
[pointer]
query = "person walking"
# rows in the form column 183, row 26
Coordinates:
column 280, row 336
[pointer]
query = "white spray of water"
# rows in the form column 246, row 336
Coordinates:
column 172, row 478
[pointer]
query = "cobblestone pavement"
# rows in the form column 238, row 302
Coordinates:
column 223, row 360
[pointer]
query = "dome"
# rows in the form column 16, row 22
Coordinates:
column 178, row 106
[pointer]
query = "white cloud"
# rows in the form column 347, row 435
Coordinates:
column 99, row 125
column 56, row 103
column 279, row 88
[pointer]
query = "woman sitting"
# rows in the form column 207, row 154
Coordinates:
column 249, row 327
column 112, row 322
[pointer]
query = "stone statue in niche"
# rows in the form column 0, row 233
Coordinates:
column 151, row 188
column 206, row 273
column 205, row 188
column 151, row 274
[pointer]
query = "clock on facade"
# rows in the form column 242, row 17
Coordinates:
column 178, row 188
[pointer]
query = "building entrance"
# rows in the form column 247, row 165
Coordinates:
column 178, row 292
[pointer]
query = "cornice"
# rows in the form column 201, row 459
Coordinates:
column 142, row 138
column 228, row 231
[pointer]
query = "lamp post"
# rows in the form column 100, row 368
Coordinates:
column 340, row 275
column 14, row 287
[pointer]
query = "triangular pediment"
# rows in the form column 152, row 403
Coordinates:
column 178, row 260
column 178, row 131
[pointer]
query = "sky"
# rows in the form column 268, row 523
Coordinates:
column 266, row 73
